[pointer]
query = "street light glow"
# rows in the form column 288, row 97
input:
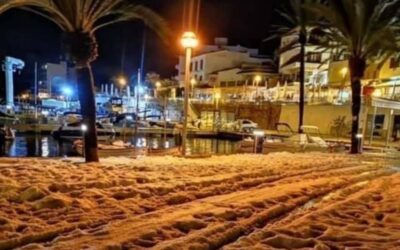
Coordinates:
column 189, row 40
column 258, row 78
column 122, row 81
column 158, row 84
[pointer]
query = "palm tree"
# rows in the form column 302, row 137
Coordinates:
column 300, row 19
column 79, row 20
column 363, row 31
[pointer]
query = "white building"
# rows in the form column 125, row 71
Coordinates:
column 316, row 62
column 227, row 70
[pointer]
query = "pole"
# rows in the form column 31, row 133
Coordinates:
column 186, row 99
column 373, row 126
column 165, row 119
column 390, row 129
column 36, row 90
column 137, row 101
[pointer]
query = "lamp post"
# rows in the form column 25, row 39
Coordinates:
column 189, row 42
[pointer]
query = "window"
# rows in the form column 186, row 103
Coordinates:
column 191, row 66
column 313, row 57
column 394, row 63
column 201, row 64
column 196, row 66
column 200, row 78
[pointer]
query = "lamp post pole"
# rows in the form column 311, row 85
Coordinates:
column 189, row 42
column 186, row 98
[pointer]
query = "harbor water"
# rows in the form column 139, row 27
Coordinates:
column 46, row 146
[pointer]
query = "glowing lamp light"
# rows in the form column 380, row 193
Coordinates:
column 258, row 78
column 122, row 81
column 158, row 84
column 67, row 91
column 217, row 96
column 377, row 93
column 359, row 136
column 344, row 71
column 189, row 40
column 84, row 127
column 259, row 133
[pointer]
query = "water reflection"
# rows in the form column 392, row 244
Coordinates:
column 47, row 146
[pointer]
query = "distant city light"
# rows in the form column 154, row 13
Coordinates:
column 158, row 84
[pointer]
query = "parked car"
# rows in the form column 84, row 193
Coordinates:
column 241, row 125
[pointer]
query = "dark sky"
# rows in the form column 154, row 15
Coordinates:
column 32, row 38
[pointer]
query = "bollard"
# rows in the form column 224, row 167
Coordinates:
column 258, row 141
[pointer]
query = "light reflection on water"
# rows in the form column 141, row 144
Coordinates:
column 47, row 146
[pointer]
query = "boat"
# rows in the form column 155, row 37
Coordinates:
column 7, row 133
column 115, row 149
column 73, row 131
column 294, row 144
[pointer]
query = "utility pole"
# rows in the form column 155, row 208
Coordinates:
column 36, row 90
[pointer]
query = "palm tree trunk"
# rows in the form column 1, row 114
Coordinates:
column 88, row 110
column 357, row 68
column 302, row 40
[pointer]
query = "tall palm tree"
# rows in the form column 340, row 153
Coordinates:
column 363, row 31
column 79, row 20
column 299, row 18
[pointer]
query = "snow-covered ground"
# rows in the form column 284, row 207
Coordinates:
column 278, row 201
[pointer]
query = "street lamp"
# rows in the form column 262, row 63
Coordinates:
column 189, row 42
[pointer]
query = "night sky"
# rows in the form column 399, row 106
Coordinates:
column 32, row 38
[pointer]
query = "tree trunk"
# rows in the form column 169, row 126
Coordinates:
column 357, row 68
column 87, row 100
column 302, row 40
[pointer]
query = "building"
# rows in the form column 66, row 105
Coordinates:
column 316, row 66
column 228, row 73
column 54, row 77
